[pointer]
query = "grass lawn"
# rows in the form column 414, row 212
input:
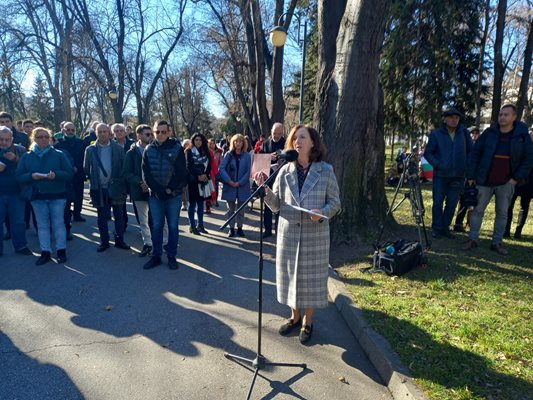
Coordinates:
column 464, row 324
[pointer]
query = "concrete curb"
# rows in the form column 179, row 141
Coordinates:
column 380, row 353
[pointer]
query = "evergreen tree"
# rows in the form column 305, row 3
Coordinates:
column 40, row 104
column 430, row 62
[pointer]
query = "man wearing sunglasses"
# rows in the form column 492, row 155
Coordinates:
column 163, row 170
column 138, row 188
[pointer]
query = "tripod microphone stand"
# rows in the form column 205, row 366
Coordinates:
column 259, row 362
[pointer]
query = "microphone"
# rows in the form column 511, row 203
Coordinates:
column 289, row 155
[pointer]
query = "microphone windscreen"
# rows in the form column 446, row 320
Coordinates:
column 289, row 155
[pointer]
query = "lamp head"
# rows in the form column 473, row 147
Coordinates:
column 278, row 36
column 112, row 93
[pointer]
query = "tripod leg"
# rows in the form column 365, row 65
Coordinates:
column 251, row 388
column 233, row 357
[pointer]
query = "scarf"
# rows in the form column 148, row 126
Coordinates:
column 40, row 152
column 199, row 160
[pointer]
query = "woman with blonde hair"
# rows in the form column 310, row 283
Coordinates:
column 46, row 171
column 234, row 173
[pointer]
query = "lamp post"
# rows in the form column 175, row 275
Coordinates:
column 278, row 37
column 112, row 92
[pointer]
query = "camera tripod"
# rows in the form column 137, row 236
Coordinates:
column 413, row 194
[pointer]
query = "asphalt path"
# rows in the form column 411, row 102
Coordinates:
column 101, row 327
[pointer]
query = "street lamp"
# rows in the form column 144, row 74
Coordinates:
column 112, row 92
column 278, row 36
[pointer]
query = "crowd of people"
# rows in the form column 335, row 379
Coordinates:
column 498, row 163
column 43, row 174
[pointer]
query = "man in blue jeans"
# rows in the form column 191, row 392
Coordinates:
column 164, row 171
column 447, row 151
column 10, row 203
column 501, row 159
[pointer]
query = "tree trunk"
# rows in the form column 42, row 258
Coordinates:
column 526, row 71
column 498, row 61
column 350, row 110
column 481, row 68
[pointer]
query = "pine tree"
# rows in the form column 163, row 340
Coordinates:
column 40, row 104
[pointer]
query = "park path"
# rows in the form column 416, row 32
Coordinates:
column 100, row 327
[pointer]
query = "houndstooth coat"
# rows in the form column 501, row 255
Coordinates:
column 302, row 251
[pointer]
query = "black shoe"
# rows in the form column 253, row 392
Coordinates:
column 172, row 263
column 153, row 262
column 194, row 231
column 305, row 333
column 231, row 232
column 459, row 228
column 45, row 257
column 24, row 251
column 61, row 256
column 201, row 229
column 518, row 233
column 145, row 251
column 447, row 234
column 267, row 234
column 240, row 232
column 507, row 234
column 289, row 326
column 69, row 236
column 79, row 218
column 498, row 248
column 102, row 247
column 120, row 244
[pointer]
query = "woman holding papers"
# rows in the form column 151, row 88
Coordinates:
column 47, row 171
column 306, row 195
column 234, row 173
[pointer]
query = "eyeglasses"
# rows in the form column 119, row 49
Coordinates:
column 161, row 132
column 42, row 137
column 147, row 134
column 69, row 130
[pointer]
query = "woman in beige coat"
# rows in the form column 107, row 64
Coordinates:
column 302, row 253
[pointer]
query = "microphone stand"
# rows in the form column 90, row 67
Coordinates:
column 259, row 362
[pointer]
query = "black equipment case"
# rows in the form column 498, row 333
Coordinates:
column 406, row 256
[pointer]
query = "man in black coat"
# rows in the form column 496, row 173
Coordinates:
column 74, row 146
column 273, row 145
column 502, row 158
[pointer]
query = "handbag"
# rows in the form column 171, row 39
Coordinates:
column 27, row 193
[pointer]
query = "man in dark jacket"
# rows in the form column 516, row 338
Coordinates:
column 76, row 148
column 10, row 203
column 163, row 168
column 501, row 159
column 447, row 150
column 273, row 146
column 18, row 137
column 138, row 188
column 103, row 164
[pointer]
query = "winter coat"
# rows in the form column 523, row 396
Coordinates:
column 302, row 251
column 92, row 170
column 76, row 148
column 228, row 172
column 194, row 173
column 448, row 158
column 163, row 167
column 481, row 157
column 8, row 177
column 54, row 160
column 132, row 172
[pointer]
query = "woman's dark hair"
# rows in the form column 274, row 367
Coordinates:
column 318, row 151
column 204, row 150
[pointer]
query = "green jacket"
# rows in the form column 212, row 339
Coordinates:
column 132, row 172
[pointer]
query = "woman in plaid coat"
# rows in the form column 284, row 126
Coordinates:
column 302, row 254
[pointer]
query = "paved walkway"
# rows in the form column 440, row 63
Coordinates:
column 101, row 327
